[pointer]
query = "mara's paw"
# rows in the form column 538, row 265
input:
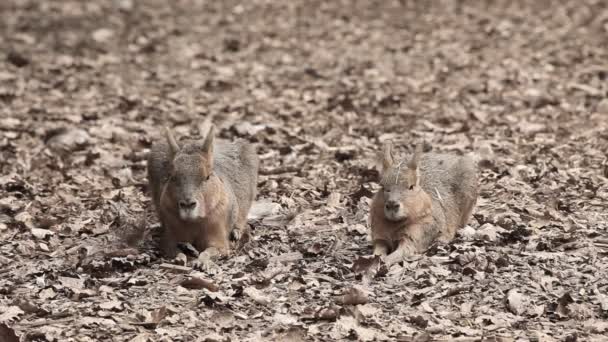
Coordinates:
column 399, row 255
column 168, row 249
column 207, row 258
column 240, row 235
column 444, row 239
column 236, row 234
column 380, row 249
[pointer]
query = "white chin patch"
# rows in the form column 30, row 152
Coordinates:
column 189, row 215
column 394, row 216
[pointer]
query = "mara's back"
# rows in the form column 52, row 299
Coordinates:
column 451, row 181
column 237, row 163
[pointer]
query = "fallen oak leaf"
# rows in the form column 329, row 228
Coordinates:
column 175, row 268
column 328, row 314
column 353, row 296
column 368, row 310
column 213, row 337
column 96, row 321
column 151, row 319
column 41, row 234
column 264, row 278
column 596, row 326
column 286, row 257
column 140, row 338
column 367, row 266
column 52, row 320
column 262, row 209
column 67, row 139
column 223, row 319
column 28, row 220
column 28, row 306
column 197, row 283
column 257, row 295
column 603, row 300
column 72, row 283
column 121, row 253
column 455, row 290
column 47, row 294
column 113, row 305
column 515, row 302
column 562, row 304
column 159, row 314
column 280, row 170
column 419, row 321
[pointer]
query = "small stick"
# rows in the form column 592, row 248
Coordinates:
column 279, row 170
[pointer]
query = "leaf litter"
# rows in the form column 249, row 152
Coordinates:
column 86, row 87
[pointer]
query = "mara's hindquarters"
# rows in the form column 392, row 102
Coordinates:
column 466, row 178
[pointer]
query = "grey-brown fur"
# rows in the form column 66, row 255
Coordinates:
column 424, row 198
column 452, row 183
column 229, row 190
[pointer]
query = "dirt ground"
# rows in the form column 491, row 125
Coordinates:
column 86, row 86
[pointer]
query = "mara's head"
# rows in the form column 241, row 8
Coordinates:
column 191, row 183
column 400, row 181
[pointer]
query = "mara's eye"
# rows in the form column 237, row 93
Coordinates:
column 411, row 187
column 208, row 176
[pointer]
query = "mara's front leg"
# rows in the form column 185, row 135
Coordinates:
column 416, row 239
column 240, row 232
column 212, row 243
column 214, row 235
column 448, row 235
column 381, row 247
column 405, row 248
column 168, row 242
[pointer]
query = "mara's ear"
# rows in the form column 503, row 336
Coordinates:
column 207, row 150
column 173, row 146
column 205, row 126
column 208, row 143
column 387, row 155
column 413, row 165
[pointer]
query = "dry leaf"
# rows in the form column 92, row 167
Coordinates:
column 354, row 296
column 199, row 283
column 8, row 314
column 257, row 295
column 515, row 301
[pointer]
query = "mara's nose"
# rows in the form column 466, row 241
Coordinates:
column 392, row 205
column 187, row 205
